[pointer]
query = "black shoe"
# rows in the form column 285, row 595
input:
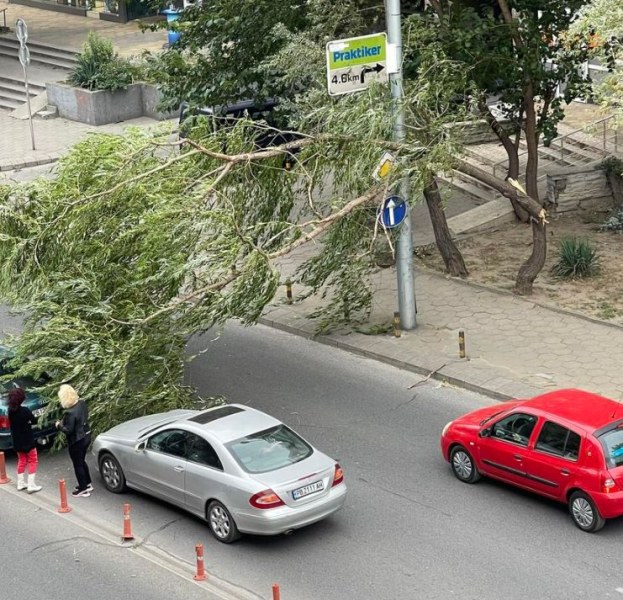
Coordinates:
column 89, row 488
column 81, row 493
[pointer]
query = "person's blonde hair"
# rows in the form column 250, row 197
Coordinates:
column 68, row 396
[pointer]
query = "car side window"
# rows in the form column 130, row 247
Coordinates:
column 200, row 451
column 558, row 440
column 171, row 441
column 515, row 428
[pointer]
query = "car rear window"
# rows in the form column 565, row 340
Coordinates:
column 612, row 443
column 269, row 450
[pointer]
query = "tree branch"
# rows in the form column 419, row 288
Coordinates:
column 529, row 204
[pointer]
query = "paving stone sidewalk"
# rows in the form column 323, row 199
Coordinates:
column 514, row 347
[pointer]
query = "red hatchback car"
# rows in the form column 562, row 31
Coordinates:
column 566, row 445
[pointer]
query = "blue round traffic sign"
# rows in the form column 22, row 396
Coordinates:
column 392, row 212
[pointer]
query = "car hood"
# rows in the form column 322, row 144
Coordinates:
column 137, row 428
column 476, row 417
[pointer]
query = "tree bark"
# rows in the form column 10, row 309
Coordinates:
column 452, row 257
column 532, row 267
column 511, row 152
column 530, row 205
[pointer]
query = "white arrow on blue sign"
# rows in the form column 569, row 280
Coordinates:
column 392, row 212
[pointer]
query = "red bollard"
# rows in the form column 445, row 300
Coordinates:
column 127, row 525
column 3, row 477
column 201, row 573
column 64, row 507
column 276, row 592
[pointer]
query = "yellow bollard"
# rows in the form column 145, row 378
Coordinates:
column 461, row 344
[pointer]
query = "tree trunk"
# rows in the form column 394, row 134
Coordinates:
column 532, row 267
column 511, row 152
column 452, row 257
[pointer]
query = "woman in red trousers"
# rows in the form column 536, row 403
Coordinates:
column 21, row 421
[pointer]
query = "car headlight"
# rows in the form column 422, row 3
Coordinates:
column 445, row 429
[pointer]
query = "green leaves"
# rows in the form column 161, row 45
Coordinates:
column 98, row 66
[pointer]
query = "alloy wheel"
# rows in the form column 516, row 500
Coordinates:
column 219, row 521
column 462, row 464
column 583, row 512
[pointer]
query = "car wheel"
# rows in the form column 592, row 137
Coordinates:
column 222, row 525
column 463, row 465
column 112, row 474
column 584, row 512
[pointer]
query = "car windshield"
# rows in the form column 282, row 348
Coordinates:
column 269, row 450
column 612, row 443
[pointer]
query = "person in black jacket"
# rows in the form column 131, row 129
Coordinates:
column 75, row 425
column 21, row 421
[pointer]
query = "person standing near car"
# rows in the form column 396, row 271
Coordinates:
column 21, row 421
column 75, row 425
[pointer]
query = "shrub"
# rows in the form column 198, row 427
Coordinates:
column 576, row 258
column 614, row 223
column 100, row 68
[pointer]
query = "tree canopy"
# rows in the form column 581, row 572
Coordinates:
column 142, row 240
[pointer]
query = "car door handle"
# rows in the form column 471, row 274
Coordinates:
column 179, row 469
column 518, row 457
column 565, row 472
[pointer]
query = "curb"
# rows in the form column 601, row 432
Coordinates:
column 51, row 158
column 214, row 586
column 438, row 375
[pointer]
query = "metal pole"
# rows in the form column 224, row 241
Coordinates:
column 404, row 258
column 32, row 131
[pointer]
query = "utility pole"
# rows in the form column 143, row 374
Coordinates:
column 404, row 251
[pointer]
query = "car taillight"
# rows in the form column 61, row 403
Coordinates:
column 4, row 422
column 338, row 477
column 266, row 499
column 608, row 486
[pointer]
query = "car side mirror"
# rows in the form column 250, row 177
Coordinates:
column 486, row 432
column 140, row 446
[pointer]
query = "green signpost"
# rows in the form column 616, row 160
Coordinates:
column 353, row 64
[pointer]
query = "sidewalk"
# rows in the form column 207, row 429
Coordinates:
column 514, row 347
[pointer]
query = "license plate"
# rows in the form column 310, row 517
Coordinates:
column 38, row 412
column 306, row 490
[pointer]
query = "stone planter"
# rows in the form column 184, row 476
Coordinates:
column 102, row 106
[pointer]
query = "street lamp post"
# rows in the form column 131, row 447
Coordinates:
column 404, row 253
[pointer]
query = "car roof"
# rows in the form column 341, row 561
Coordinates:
column 588, row 410
column 232, row 421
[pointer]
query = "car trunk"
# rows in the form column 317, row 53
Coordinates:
column 301, row 483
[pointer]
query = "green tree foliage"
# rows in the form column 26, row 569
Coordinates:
column 520, row 53
column 600, row 24
column 140, row 242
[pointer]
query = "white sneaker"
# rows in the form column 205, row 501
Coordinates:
column 32, row 486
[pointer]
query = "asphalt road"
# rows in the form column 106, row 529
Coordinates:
column 409, row 530
column 46, row 556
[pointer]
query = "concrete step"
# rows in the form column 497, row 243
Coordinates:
column 454, row 185
column 9, row 104
column 17, row 96
column 581, row 148
column 40, row 54
column 478, row 160
column 18, row 86
column 482, row 218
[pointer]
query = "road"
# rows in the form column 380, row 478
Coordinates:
column 409, row 530
column 46, row 556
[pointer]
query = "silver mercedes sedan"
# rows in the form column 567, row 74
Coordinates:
column 238, row 468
